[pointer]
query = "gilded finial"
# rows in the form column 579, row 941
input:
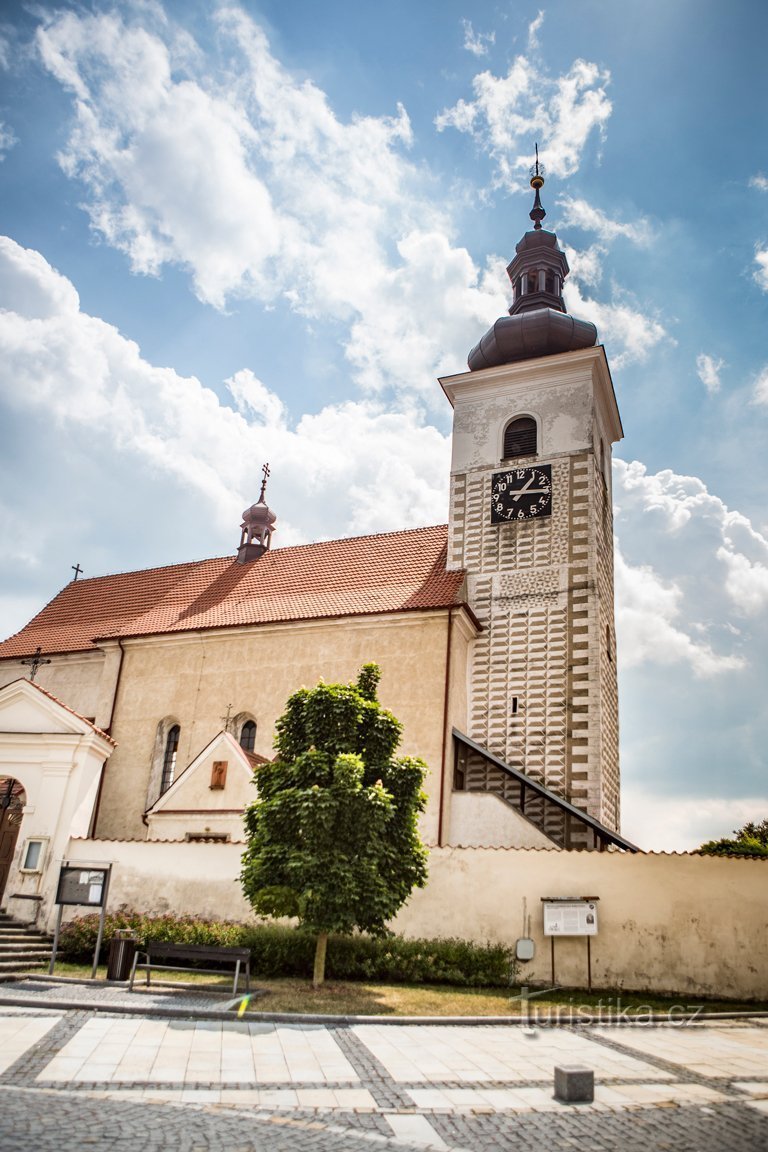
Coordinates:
column 537, row 213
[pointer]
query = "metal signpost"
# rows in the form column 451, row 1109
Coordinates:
column 84, row 885
column 571, row 916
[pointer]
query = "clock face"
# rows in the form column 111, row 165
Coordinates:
column 521, row 494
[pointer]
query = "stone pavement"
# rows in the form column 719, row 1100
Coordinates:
column 74, row 1078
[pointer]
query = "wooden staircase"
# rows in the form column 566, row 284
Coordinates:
column 21, row 948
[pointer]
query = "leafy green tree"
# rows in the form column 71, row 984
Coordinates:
column 751, row 840
column 333, row 837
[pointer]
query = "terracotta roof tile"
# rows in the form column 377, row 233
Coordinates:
column 390, row 572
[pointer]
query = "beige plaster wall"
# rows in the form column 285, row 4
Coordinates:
column 157, row 877
column 695, row 925
column 484, row 819
column 77, row 679
column 194, row 677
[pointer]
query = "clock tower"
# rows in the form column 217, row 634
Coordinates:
column 531, row 522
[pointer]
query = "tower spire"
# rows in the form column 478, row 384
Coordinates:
column 538, row 324
column 537, row 213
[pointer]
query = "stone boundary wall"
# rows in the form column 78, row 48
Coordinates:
column 693, row 925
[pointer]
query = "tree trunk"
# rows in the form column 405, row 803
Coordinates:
column 318, row 976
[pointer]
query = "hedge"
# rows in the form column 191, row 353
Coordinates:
column 281, row 951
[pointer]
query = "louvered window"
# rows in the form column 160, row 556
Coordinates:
column 520, row 438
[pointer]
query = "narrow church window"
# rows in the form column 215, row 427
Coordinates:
column 169, row 760
column 608, row 641
column 550, row 282
column 513, row 706
column 248, row 736
column 520, row 438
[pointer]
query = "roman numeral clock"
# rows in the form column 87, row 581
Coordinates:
column 521, row 494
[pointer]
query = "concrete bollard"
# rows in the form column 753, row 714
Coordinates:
column 574, row 1084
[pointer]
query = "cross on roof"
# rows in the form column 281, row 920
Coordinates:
column 227, row 720
column 76, row 569
column 265, row 473
column 35, row 661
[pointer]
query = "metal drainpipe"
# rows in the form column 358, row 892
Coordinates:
column 108, row 730
column 445, row 726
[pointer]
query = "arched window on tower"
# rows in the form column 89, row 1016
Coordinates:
column 248, row 736
column 520, row 438
column 169, row 758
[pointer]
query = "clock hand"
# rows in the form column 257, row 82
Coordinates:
column 523, row 490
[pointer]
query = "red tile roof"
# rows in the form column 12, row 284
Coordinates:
column 390, row 572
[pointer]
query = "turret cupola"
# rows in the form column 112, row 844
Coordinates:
column 538, row 324
column 258, row 524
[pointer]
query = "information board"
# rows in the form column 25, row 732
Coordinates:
column 570, row 918
column 82, row 885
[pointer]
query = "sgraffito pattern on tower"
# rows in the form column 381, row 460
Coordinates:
column 519, row 590
column 543, row 693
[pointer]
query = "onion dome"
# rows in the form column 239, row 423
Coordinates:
column 538, row 324
column 257, row 526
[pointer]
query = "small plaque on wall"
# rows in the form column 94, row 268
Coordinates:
column 219, row 774
column 563, row 917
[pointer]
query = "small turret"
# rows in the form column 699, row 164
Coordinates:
column 257, row 526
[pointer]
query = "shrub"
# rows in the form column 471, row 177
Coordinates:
column 280, row 951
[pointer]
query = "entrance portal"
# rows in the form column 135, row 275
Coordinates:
column 12, row 801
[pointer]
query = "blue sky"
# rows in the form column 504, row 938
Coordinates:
column 237, row 233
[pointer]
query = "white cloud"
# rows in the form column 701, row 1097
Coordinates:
column 647, row 616
column 760, row 182
column 692, row 644
column 658, row 822
column 477, row 43
column 761, row 273
column 720, row 556
column 533, row 31
column 747, row 579
column 7, row 139
column 348, row 467
column 580, row 214
column 708, row 369
column 620, row 324
column 257, row 188
column 760, row 393
column 509, row 112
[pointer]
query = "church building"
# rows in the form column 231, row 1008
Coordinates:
column 135, row 706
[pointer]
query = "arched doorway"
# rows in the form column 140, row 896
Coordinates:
column 12, row 801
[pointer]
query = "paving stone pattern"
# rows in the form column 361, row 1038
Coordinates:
column 77, row 1079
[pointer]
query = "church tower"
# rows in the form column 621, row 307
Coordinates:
column 531, row 522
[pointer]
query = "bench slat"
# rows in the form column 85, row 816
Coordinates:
column 158, row 950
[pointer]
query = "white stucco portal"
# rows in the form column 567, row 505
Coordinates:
column 58, row 757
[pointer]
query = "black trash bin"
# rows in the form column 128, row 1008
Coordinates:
column 122, row 949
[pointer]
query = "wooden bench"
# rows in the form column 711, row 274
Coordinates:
column 165, row 957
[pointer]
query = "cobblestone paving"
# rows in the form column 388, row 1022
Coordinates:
column 109, row 1080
